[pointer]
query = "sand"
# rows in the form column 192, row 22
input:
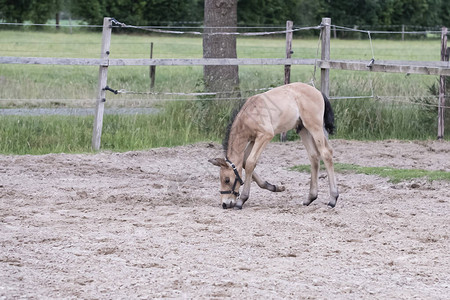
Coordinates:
column 148, row 224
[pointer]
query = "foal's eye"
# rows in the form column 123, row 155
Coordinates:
column 227, row 180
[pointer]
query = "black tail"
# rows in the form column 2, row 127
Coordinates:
column 328, row 115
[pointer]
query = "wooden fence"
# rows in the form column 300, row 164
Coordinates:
column 441, row 68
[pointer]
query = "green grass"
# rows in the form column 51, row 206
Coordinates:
column 44, row 134
column 79, row 82
column 182, row 122
column 73, row 134
column 394, row 175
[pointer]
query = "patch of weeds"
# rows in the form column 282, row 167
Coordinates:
column 394, row 175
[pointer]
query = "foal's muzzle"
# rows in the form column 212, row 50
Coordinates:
column 229, row 202
column 238, row 179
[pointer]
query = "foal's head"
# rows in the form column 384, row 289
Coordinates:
column 230, row 182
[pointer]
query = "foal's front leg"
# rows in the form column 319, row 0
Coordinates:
column 250, row 164
column 259, row 181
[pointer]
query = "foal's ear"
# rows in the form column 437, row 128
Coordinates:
column 220, row 162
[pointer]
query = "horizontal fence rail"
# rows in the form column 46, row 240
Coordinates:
column 389, row 66
column 154, row 62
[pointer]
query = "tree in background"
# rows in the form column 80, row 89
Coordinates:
column 220, row 16
column 445, row 13
column 386, row 12
column 36, row 11
column 164, row 11
column 91, row 11
column 43, row 10
column 250, row 12
column 144, row 12
column 270, row 12
column 15, row 10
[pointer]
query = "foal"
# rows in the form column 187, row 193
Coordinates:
column 295, row 105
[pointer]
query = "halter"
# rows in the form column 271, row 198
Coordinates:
column 236, row 180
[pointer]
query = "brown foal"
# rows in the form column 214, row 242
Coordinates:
column 295, row 105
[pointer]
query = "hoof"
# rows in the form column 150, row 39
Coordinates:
column 239, row 204
column 333, row 201
column 280, row 188
column 310, row 200
column 306, row 203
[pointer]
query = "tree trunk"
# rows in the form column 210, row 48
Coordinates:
column 220, row 16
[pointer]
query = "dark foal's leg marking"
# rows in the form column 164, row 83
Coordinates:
column 271, row 187
column 310, row 200
column 332, row 203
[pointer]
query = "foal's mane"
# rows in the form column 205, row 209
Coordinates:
column 233, row 116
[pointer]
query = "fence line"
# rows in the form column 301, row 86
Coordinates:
column 152, row 62
column 384, row 98
column 396, row 99
column 325, row 63
column 147, row 26
column 53, row 25
column 346, row 29
column 165, row 29
column 388, row 66
column 123, row 25
column 123, row 91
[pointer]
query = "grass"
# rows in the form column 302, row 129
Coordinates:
column 394, row 175
column 73, row 134
column 79, row 82
column 182, row 122
column 44, row 134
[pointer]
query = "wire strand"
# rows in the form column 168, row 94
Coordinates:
column 123, row 91
column 385, row 98
column 313, row 79
column 53, row 25
column 123, row 25
column 164, row 28
column 342, row 28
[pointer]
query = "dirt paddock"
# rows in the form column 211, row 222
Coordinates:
column 148, row 224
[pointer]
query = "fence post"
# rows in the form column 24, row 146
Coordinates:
column 152, row 69
column 287, row 68
column 325, row 56
column 441, row 108
column 102, row 81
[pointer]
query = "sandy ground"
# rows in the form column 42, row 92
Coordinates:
column 149, row 225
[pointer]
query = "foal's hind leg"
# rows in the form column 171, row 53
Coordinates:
column 326, row 153
column 266, row 185
column 314, row 158
column 261, row 182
